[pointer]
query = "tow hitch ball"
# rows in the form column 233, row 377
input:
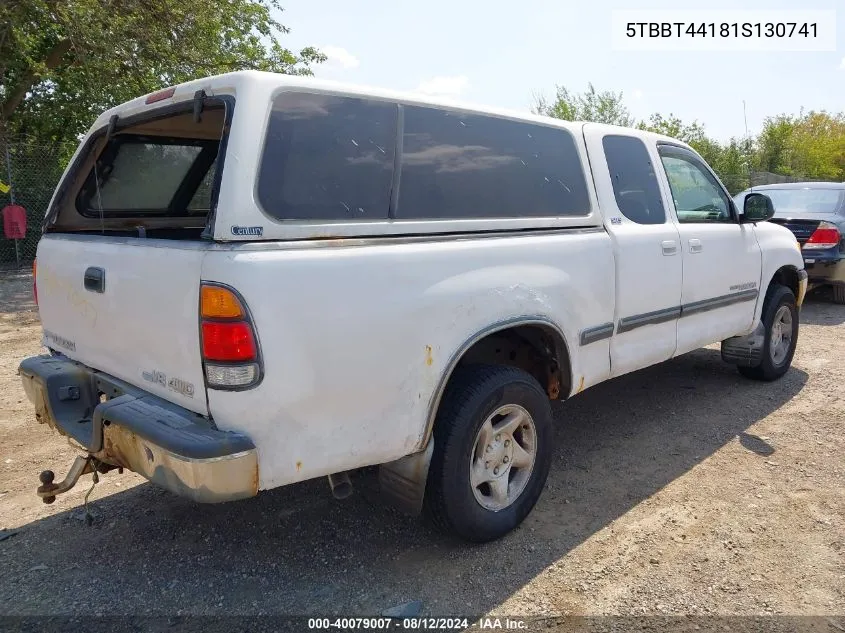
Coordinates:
column 81, row 466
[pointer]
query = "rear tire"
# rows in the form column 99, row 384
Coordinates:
column 780, row 320
column 839, row 293
column 492, row 452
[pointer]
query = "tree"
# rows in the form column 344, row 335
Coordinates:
column 690, row 133
column 773, row 144
column 809, row 146
column 734, row 164
column 64, row 61
column 599, row 107
column 817, row 146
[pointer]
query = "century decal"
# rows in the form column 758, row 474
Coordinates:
column 248, row 230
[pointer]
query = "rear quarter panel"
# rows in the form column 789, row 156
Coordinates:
column 356, row 337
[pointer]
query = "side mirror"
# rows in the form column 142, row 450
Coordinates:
column 757, row 208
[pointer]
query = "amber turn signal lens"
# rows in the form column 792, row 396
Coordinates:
column 219, row 303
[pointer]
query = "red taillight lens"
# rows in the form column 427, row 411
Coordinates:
column 825, row 236
column 34, row 282
column 231, row 342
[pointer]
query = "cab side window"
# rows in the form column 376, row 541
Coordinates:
column 634, row 183
column 697, row 194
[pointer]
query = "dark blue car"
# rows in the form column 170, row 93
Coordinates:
column 815, row 213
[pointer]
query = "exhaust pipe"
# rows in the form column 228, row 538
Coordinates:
column 341, row 485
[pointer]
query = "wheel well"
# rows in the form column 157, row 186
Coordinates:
column 538, row 349
column 785, row 276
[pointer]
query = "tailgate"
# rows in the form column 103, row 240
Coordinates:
column 127, row 307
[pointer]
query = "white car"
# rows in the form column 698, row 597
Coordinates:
column 254, row 279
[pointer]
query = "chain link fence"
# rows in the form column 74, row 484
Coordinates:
column 29, row 172
column 768, row 178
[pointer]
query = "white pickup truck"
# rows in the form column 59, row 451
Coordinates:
column 253, row 279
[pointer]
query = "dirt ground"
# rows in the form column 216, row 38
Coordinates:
column 681, row 489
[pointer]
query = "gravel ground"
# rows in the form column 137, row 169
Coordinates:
column 682, row 489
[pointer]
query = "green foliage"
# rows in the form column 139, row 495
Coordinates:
column 62, row 62
column 773, row 144
column 600, row 107
column 817, row 146
column 810, row 146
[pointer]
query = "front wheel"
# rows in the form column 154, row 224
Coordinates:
column 492, row 452
column 780, row 320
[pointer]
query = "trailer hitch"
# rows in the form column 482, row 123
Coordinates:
column 81, row 466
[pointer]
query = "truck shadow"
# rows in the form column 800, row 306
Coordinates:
column 295, row 550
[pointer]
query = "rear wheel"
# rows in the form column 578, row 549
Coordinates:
column 492, row 452
column 780, row 320
column 839, row 293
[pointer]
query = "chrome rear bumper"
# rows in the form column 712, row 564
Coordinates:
column 171, row 446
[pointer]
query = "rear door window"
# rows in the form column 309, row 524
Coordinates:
column 461, row 165
column 328, row 157
column 634, row 181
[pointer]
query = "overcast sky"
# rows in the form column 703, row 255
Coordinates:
column 500, row 53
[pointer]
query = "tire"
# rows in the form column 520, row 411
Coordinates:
column 474, row 394
column 773, row 365
column 839, row 294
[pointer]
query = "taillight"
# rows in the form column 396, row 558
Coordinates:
column 230, row 351
column 826, row 235
column 229, row 342
column 34, row 281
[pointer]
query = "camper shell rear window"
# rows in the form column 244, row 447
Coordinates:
column 138, row 175
column 153, row 173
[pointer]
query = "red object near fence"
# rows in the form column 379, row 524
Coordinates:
column 14, row 222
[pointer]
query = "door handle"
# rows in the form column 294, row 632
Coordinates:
column 95, row 279
column 669, row 247
column 695, row 246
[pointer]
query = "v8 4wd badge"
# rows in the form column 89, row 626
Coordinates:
column 174, row 384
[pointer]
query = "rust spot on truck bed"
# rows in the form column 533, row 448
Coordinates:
column 428, row 357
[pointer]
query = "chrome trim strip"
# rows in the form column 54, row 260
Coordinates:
column 597, row 333
column 377, row 240
column 667, row 314
column 718, row 302
column 649, row 318
column 320, row 242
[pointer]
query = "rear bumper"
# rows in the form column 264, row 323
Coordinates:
column 171, row 446
column 824, row 267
